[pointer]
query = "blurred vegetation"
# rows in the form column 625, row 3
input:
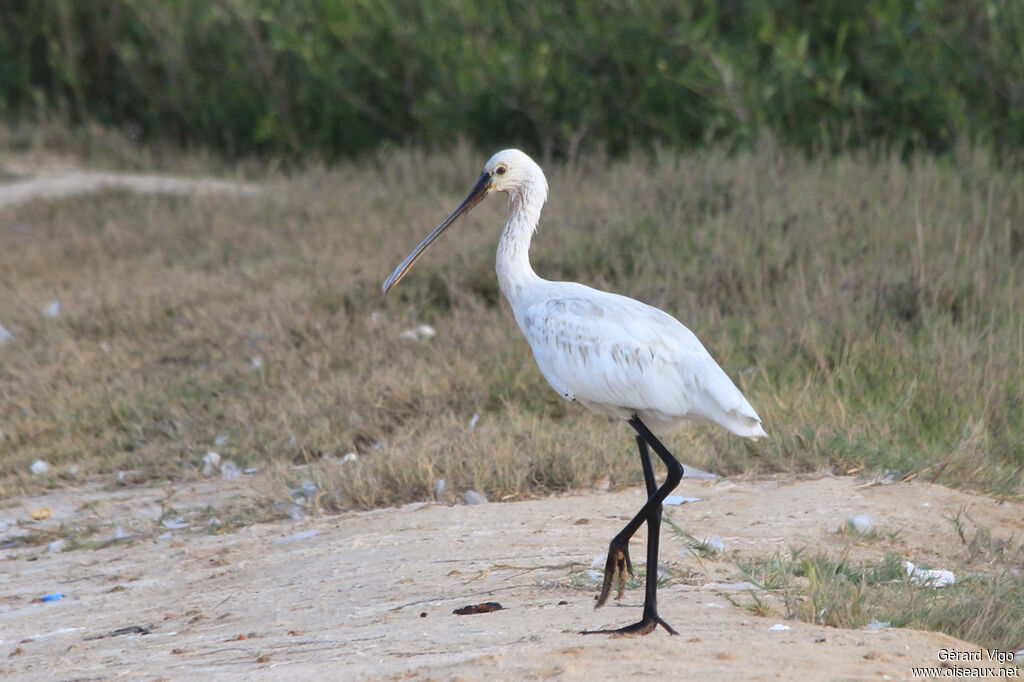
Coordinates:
column 337, row 78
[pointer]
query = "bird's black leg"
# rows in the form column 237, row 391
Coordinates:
column 618, row 563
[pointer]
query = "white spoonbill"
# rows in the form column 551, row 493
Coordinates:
column 612, row 354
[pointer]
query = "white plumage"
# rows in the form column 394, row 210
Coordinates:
column 612, row 354
column 620, row 357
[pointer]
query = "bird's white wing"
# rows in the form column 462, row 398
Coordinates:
column 623, row 357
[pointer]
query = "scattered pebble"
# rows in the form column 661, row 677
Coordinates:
column 40, row 513
column 715, row 543
column 473, row 497
column 256, row 361
column 5, row 336
column 295, row 513
column 221, row 439
column 778, row 627
column 56, row 546
column 39, row 467
column 230, row 470
column 862, row 523
column 349, row 457
column 211, row 463
column 52, row 309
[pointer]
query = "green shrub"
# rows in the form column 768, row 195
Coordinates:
column 337, row 78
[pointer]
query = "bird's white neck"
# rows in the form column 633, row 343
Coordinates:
column 515, row 275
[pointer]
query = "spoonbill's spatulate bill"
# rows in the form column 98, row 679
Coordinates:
column 612, row 354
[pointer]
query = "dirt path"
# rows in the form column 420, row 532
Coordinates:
column 60, row 184
column 370, row 595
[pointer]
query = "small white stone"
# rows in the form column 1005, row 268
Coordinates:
column 349, row 457
column 39, row 467
column 862, row 523
column 473, row 497
column 5, row 336
column 211, row 463
column 778, row 627
column 229, row 470
column 715, row 543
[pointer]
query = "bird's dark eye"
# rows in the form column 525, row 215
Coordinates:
column 500, row 170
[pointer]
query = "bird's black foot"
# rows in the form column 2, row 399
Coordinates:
column 645, row 627
column 616, row 568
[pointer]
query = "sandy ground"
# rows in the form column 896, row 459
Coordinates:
column 370, row 595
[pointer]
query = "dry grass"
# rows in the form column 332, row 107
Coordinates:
column 868, row 306
column 984, row 608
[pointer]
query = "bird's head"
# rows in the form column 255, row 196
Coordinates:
column 510, row 170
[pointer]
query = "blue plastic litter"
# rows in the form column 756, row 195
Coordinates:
column 51, row 597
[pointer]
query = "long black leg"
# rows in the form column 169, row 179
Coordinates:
column 618, row 563
column 645, row 463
